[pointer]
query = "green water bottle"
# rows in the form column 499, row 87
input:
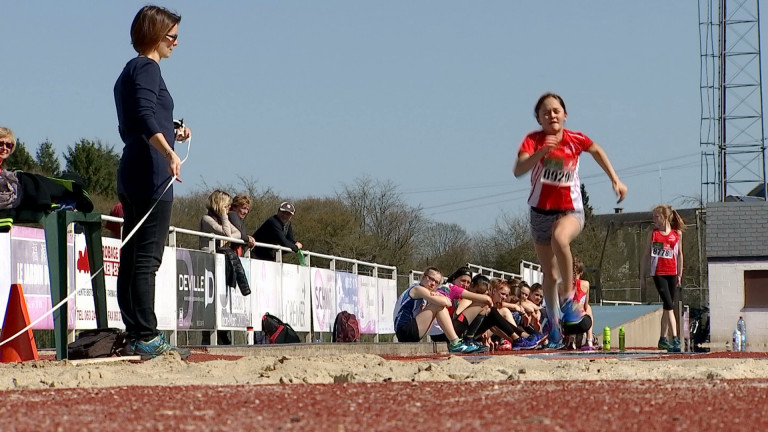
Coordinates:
column 621, row 338
column 607, row 339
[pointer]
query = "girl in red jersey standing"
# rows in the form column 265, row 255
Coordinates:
column 557, row 212
column 663, row 261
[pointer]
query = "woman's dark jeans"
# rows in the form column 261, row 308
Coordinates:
column 140, row 258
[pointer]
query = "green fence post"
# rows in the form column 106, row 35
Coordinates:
column 55, row 228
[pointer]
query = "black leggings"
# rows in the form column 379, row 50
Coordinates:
column 139, row 260
column 668, row 290
column 493, row 319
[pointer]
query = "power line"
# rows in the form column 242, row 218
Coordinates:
column 627, row 173
column 443, row 188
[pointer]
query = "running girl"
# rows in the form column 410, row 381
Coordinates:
column 557, row 212
column 663, row 260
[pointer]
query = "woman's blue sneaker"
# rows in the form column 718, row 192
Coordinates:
column 676, row 346
column 664, row 344
column 157, row 346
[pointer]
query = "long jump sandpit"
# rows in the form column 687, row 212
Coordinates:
column 339, row 389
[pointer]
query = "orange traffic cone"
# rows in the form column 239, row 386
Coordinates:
column 22, row 348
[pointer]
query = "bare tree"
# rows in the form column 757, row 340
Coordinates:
column 444, row 245
column 383, row 215
column 327, row 225
column 506, row 244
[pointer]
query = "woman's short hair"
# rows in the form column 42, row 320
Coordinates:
column 7, row 133
column 149, row 27
column 219, row 201
column 241, row 200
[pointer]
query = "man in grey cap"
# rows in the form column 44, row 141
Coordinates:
column 276, row 230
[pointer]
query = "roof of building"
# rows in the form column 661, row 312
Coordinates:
column 737, row 229
column 640, row 218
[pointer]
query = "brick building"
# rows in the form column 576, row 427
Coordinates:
column 737, row 263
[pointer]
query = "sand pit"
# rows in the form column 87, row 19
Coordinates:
column 356, row 368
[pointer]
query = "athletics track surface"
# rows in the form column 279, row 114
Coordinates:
column 649, row 405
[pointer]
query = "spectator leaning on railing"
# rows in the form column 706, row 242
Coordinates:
column 276, row 230
column 215, row 221
column 238, row 211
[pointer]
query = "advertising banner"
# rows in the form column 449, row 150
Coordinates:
column 265, row 290
column 29, row 267
column 234, row 310
column 5, row 271
column 166, row 291
column 323, row 299
column 387, row 299
column 367, row 306
column 346, row 293
column 196, row 289
column 295, row 297
column 85, row 311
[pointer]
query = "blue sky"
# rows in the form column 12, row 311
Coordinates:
column 436, row 96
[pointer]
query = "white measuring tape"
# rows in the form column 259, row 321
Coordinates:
column 128, row 237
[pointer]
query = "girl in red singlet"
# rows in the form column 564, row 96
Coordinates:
column 585, row 341
column 557, row 211
column 663, row 261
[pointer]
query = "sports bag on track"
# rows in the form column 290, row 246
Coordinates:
column 346, row 328
column 97, row 343
column 277, row 331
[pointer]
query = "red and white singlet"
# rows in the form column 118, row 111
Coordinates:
column 579, row 294
column 664, row 250
column 555, row 181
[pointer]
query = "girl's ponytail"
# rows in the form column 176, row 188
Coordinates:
column 676, row 221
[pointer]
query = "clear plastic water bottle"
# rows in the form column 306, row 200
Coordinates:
column 741, row 326
column 736, row 343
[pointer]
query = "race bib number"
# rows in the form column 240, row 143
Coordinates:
column 557, row 173
column 658, row 250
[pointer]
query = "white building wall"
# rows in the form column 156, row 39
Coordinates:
column 726, row 302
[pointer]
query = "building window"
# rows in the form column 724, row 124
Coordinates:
column 755, row 288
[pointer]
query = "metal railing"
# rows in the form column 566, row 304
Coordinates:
column 492, row 273
column 213, row 238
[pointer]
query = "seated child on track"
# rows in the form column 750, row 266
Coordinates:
column 462, row 276
column 475, row 319
column 421, row 304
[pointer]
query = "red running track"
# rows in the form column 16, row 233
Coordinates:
column 685, row 405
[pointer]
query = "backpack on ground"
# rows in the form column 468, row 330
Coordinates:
column 346, row 328
column 276, row 331
column 97, row 343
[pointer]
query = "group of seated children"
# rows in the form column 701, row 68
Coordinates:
column 473, row 313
